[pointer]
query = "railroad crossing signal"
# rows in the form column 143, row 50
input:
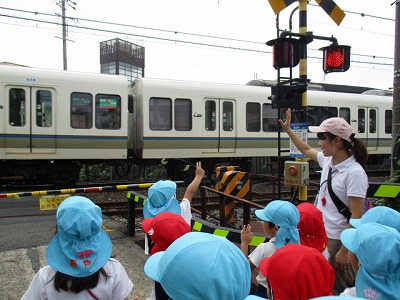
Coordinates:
column 285, row 52
column 329, row 6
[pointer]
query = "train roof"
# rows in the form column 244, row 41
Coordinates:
column 15, row 72
column 339, row 88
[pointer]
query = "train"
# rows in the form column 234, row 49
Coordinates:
column 53, row 122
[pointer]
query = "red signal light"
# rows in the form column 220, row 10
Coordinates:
column 336, row 58
column 285, row 52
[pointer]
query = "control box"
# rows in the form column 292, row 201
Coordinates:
column 296, row 173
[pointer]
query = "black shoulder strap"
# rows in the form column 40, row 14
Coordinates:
column 342, row 208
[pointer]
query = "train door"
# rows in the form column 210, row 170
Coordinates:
column 220, row 125
column 29, row 120
column 368, row 126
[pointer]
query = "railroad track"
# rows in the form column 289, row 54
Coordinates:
column 260, row 195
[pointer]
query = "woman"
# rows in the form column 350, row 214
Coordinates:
column 346, row 157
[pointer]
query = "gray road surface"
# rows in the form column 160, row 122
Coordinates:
column 23, row 241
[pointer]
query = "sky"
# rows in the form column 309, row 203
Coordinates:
column 209, row 40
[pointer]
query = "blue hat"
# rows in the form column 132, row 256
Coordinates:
column 80, row 247
column 161, row 198
column 379, row 214
column 286, row 216
column 377, row 248
column 199, row 266
column 252, row 297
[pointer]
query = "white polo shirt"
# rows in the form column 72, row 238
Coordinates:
column 348, row 180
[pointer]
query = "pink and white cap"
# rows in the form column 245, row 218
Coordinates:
column 337, row 126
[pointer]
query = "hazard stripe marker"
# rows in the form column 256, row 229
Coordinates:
column 122, row 187
column 279, row 5
column 383, row 190
column 231, row 234
column 329, row 6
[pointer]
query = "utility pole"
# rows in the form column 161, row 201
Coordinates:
column 64, row 28
column 396, row 93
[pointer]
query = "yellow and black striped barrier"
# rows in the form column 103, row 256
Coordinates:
column 329, row 6
column 383, row 190
column 122, row 187
column 235, row 183
column 198, row 224
column 134, row 198
column 231, row 234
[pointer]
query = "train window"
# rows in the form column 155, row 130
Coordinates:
column 81, row 110
column 361, row 120
column 372, row 120
column 43, row 108
column 227, row 116
column 183, row 114
column 388, row 121
column 253, row 122
column 317, row 114
column 344, row 112
column 270, row 118
column 108, row 111
column 160, row 113
column 210, row 115
column 17, row 114
column 253, row 111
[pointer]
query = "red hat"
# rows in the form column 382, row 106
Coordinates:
column 298, row 272
column 164, row 229
column 311, row 227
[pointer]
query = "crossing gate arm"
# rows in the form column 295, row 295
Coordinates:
column 231, row 234
column 383, row 190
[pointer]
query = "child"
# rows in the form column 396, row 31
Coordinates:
column 79, row 258
column 201, row 266
column 163, row 230
column 162, row 198
column 377, row 248
column 279, row 222
column 311, row 228
column 298, row 272
column 378, row 214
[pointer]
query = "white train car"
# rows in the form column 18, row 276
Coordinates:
column 224, row 123
column 51, row 120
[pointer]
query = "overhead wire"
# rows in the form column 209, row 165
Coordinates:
column 176, row 32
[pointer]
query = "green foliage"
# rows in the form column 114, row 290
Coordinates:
column 156, row 173
column 95, row 173
column 102, row 172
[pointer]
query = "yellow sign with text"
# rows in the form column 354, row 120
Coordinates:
column 51, row 202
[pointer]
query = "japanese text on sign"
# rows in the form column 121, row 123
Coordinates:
column 300, row 129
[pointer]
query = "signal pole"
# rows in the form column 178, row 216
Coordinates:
column 303, row 76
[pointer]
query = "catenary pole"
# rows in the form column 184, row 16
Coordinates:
column 396, row 93
column 64, row 29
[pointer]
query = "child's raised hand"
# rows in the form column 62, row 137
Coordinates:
column 245, row 234
column 199, row 170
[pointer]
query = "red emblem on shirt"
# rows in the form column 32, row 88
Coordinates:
column 323, row 200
